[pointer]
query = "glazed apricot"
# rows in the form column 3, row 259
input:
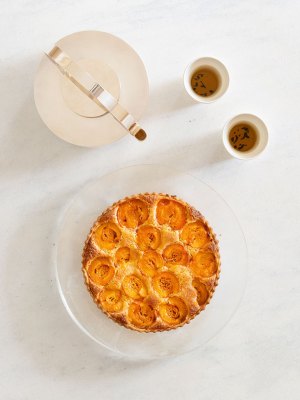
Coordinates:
column 101, row 271
column 141, row 315
column 165, row 283
column 111, row 300
column 174, row 312
column 107, row 235
column 172, row 213
column 195, row 234
column 122, row 255
column 204, row 264
column 148, row 237
column 150, row 262
column 175, row 254
column 134, row 287
column 202, row 292
column 132, row 213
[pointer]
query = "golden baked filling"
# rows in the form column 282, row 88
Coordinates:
column 151, row 262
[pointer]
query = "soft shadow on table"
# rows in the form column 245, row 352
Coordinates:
column 168, row 97
column 27, row 142
column 205, row 150
column 31, row 144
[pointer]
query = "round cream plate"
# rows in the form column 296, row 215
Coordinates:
column 69, row 113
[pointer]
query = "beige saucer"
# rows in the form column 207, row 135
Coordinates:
column 70, row 114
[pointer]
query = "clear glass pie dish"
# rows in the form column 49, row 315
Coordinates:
column 76, row 222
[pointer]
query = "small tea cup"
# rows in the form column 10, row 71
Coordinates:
column 262, row 136
column 217, row 67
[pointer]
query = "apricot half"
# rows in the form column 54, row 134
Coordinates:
column 111, row 300
column 141, row 315
column 132, row 213
column 134, row 287
column 204, row 264
column 107, row 235
column 150, row 262
column 202, row 292
column 195, row 234
column 148, row 237
column 174, row 312
column 122, row 255
column 175, row 254
column 101, row 271
column 165, row 283
column 172, row 213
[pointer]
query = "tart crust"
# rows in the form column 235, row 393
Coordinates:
column 151, row 262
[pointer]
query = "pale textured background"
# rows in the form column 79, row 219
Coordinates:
column 43, row 354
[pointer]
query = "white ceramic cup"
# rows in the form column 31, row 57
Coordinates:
column 261, row 131
column 217, row 67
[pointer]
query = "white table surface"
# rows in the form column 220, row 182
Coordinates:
column 43, row 353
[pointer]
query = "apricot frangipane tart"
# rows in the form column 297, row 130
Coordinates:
column 151, row 262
